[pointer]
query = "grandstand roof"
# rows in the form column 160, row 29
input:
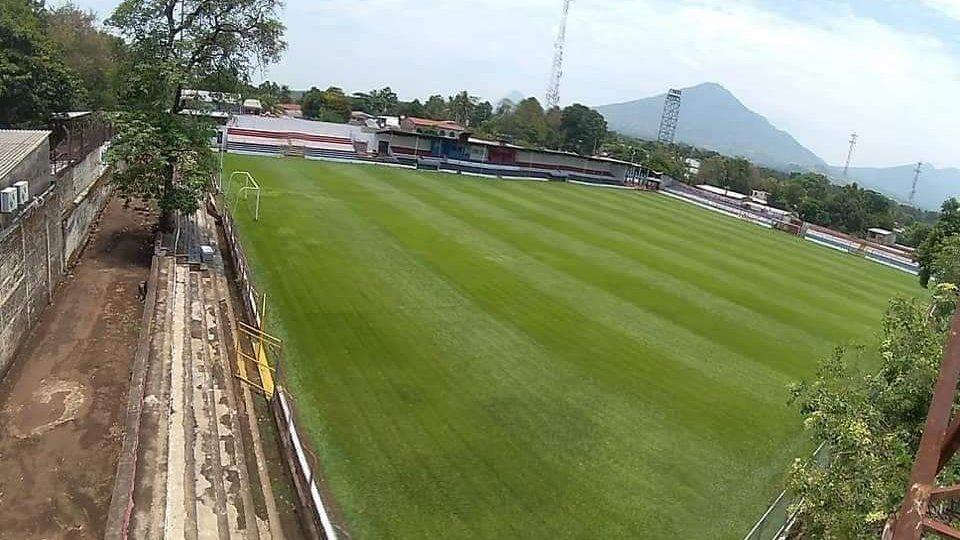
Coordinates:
column 723, row 192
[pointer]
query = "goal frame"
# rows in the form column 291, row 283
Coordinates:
column 249, row 184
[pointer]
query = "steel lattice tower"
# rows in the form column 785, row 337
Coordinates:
column 853, row 142
column 916, row 177
column 553, row 90
column 671, row 114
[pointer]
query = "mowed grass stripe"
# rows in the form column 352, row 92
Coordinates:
column 555, row 508
column 463, row 381
column 650, row 312
column 705, row 289
column 755, row 258
column 687, row 399
column 825, row 267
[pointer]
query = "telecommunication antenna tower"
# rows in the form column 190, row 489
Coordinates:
column 553, row 90
column 671, row 114
column 853, row 142
column 916, row 177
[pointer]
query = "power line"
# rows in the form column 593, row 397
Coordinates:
column 671, row 114
column 916, row 177
column 553, row 90
column 853, row 142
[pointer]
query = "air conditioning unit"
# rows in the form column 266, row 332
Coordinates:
column 8, row 200
column 23, row 192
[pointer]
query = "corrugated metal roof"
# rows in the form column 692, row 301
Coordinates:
column 15, row 145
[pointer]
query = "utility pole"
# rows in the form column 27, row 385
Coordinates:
column 853, row 142
column 553, row 89
column 916, row 177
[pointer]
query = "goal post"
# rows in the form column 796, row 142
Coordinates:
column 242, row 184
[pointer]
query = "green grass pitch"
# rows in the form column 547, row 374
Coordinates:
column 476, row 358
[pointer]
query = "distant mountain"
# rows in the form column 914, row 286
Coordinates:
column 713, row 118
column 934, row 187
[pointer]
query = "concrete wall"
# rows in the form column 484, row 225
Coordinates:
column 31, row 266
column 78, row 219
column 85, row 190
column 74, row 181
column 36, row 243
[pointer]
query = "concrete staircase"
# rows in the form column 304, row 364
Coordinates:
column 192, row 478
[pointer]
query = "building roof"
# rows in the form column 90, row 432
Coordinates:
column 16, row 144
column 723, row 192
column 878, row 230
column 290, row 106
column 426, row 122
column 252, row 104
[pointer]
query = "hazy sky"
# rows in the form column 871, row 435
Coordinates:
column 889, row 69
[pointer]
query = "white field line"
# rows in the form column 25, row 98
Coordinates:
column 328, row 530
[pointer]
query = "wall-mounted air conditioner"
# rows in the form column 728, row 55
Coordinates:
column 8, row 200
column 23, row 192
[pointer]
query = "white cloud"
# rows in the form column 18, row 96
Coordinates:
column 818, row 77
column 950, row 8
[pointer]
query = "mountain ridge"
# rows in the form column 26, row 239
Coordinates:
column 713, row 118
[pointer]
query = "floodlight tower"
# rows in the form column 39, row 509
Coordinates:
column 853, row 142
column 553, row 90
column 671, row 114
column 916, row 177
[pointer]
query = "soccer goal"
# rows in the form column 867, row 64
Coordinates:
column 241, row 186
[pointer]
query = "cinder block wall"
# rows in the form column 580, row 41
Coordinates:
column 35, row 244
column 31, row 266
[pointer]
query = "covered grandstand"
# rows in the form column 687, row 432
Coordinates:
column 464, row 154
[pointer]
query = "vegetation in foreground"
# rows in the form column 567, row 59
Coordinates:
column 476, row 358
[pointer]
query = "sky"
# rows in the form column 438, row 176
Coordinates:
column 818, row 69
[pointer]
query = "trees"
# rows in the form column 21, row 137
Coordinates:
column 460, row 107
column 161, row 154
column 88, row 51
column 582, row 129
column 377, row 102
column 330, row 105
column 871, row 423
column 948, row 225
column 34, row 82
column 482, row 112
column 435, row 107
column 914, row 234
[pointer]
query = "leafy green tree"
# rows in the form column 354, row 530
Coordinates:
column 461, row 106
column 377, row 102
column 914, row 234
column 34, row 80
column 286, row 96
column 482, row 112
column 412, row 108
column 529, row 123
column 582, row 129
column 945, row 267
column 871, row 424
column 435, row 107
column 90, row 52
column 948, row 225
column 173, row 44
column 330, row 105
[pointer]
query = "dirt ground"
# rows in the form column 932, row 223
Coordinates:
column 62, row 403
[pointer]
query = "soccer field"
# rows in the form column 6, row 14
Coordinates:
column 477, row 358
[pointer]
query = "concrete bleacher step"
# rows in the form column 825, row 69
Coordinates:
column 192, row 480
